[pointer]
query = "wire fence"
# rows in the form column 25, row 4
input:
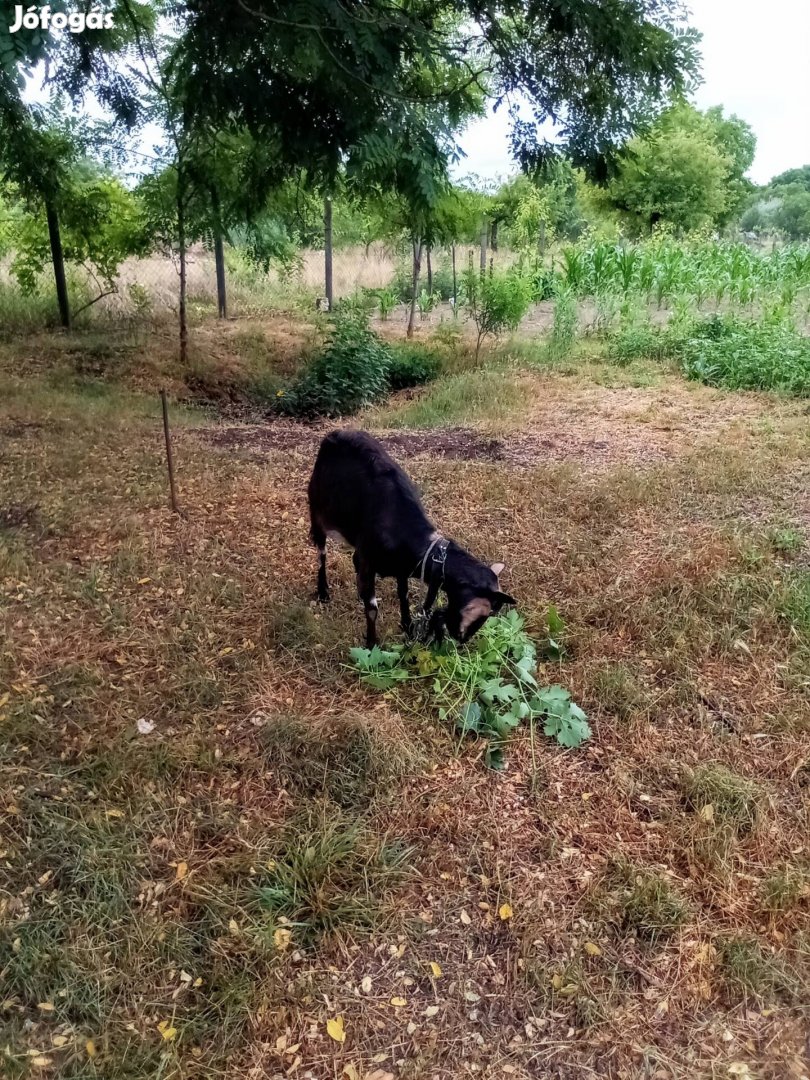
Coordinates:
column 149, row 287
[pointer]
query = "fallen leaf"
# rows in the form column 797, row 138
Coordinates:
column 592, row 949
column 379, row 1074
column 505, row 912
column 706, row 813
column 471, row 996
column 167, row 1031
column 465, row 918
column 90, row 1047
column 59, row 1040
column 334, row 1029
column 431, row 1010
column 233, row 926
column 144, row 726
column 46, row 1006
column 398, row 1002
column 434, row 967
column 114, row 813
column 182, row 870
column 739, row 1068
column 365, row 985
column 350, row 1071
column 41, row 1061
column 282, row 938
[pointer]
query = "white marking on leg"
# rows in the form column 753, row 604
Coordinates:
column 373, row 602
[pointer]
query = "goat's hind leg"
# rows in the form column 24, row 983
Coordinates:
column 319, row 540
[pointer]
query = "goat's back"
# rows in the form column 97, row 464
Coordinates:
column 359, row 491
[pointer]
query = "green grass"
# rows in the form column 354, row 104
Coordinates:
column 327, row 874
column 647, row 905
column 724, row 798
column 752, row 970
column 495, row 397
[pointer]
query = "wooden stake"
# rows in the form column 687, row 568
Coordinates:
column 169, row 460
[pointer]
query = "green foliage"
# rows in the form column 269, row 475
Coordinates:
column 412, row 365
column 101, row 224
column 688, row 171
column 725, row 350
column 565, row 326
column 497, row 301
column 349, row 373
column 486, row 688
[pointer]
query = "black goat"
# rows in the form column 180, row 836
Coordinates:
column 359, row 494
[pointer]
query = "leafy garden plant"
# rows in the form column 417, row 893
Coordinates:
column 349, row 373
column 487, row 688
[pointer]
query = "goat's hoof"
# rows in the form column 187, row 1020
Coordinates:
column 323, row 597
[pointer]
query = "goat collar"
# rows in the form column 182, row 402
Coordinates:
column 439, row 558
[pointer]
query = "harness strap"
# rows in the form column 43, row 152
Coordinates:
column 425, row 557
column 437, row 582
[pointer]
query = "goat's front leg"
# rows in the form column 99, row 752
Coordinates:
column 366, row 592
column 405, row 620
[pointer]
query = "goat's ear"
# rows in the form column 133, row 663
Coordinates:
column 501, row 599
column 497, row 568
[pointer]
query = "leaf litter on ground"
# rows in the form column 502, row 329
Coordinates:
column 487, row 688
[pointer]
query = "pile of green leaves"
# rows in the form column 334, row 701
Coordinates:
column 348, row 374
column 486, row 688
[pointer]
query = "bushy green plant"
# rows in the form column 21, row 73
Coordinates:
column 497, row 301
column 386, row 302
column 349, row 373
column 565, row 326
column 412, row 365
column 486, row 688
column 725, row 350
column 639, row 341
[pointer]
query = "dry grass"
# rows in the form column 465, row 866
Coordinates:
column 282, row 848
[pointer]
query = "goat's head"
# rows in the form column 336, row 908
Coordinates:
column 471, row 599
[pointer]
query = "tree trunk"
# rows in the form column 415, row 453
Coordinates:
column 58, row 260
column 455, row 289
column 541, row 243
column 181, row 246
column 219, row 257
column 417, row 266
column 483, row 247
column 327, row 252
column 493, row 236
column 429, row 274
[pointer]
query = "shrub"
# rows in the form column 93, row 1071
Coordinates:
column 724, row 350
column 497, row 301
column 349, row 373
column 639, row 342
column 412, row 365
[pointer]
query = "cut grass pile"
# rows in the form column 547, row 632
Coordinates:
column 223, row 857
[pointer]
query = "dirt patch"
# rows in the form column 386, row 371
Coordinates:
column 19, row 429
column 18, row 516
column 457, row 444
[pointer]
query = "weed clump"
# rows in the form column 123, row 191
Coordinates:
column 647, row 904
column 723, row 797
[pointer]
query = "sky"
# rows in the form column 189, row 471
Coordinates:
column 756, row 63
